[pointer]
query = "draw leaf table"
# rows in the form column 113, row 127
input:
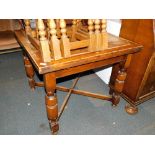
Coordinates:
column 66, row 62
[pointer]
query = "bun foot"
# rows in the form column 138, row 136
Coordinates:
column 131, row 109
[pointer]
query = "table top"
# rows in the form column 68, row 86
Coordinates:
column 116, row 47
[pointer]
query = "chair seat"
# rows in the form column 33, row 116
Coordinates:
column 8, row 40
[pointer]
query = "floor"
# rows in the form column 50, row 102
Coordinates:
column 22, row 111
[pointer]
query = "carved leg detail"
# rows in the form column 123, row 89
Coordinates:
column 119, row 83
column 29, row 72
column 52, row 112
column 115, row 97
column 51, row 101
column 131, row 109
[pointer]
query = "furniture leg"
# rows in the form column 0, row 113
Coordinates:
column 131, row 109
column 119, row 83
column 111, row 91
column 51, row 101
column 114, row 74
column 29, row 72
column 118, row 87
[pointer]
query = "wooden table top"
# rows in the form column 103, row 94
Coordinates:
column 116, row 47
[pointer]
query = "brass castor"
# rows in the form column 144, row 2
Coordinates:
column 132, row 110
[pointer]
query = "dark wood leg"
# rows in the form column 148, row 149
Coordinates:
column 119, row 83
column 113, row 77
column 118, row 87
column 51, row 101
column 29, row 72
column 111, row 91
column 115, row 99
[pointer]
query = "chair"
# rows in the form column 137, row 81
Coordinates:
column 56, row 48
column 73, row 38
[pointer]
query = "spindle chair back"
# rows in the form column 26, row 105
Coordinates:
column 57, row 40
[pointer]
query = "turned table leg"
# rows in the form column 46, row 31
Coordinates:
column 119, row 82
column 118, row 87
column 29, row 72
column 51, row 101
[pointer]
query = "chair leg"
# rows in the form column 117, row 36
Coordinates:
column 29, row 72
column 51, row 101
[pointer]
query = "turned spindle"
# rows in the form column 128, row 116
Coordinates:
column 37, row 31
column 90, row 26
column 65, row 44
column 97, row 26
column 74, row 22
column 41, row 29
column 97, row 35
column 104, row 34
column 91, row 34
column 27, row 26
column 63, row 28
column 48, row 30
column 45, row 51
column 57, row 21
column 54, row 41
column 104, row 25
column 74, row 29
column 79, row 22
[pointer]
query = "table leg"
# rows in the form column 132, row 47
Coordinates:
column 119, row 83
column 29, row 72
column 118, row 87
column 51, row 101
column 111, row 91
